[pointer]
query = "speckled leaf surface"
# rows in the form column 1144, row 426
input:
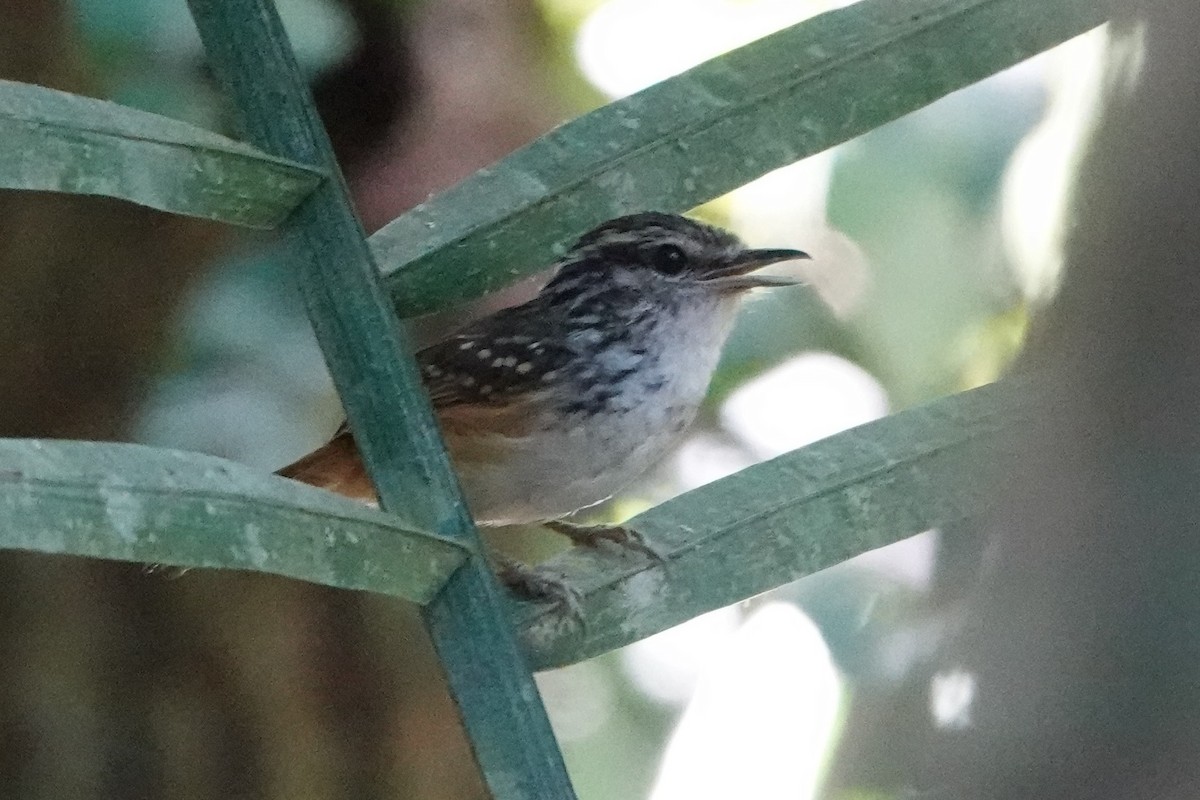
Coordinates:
column 781, row 520
column 134, row 503
column 711, row 129
column 60, row 142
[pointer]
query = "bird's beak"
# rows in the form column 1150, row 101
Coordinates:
column 736, row 276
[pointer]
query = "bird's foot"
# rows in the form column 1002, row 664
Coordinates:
column 541, row 585
column 593, row 535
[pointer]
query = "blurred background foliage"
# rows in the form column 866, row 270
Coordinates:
column 934, row 239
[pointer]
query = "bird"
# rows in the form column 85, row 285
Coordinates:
column 556, row 404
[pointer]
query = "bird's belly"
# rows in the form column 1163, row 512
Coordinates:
column 561, row 469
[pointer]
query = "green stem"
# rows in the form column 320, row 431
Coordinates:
column 369, row 358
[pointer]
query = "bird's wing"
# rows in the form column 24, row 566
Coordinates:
column 483, row 381
column 495, row 362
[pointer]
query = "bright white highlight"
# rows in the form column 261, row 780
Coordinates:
column 626, row 45
column 667, row 666
column 1036, row 190
column 762, row 719
column 810, row 397
column 951, row 694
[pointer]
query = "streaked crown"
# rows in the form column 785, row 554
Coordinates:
column 668, row 246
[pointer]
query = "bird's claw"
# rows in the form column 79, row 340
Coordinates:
column 593, row 535
column 541, row 585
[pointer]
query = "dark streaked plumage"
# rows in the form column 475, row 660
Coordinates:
column 555, row 404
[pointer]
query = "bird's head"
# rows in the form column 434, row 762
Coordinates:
column 670, row 253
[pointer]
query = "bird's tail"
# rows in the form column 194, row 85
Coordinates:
column 337, row 467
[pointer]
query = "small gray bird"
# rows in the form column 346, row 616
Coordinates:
column 556, row 404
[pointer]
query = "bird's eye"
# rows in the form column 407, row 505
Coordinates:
column 669, row 259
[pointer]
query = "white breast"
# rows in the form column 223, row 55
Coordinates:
column 584, row 458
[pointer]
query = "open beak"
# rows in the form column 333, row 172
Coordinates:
column 736, row 276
